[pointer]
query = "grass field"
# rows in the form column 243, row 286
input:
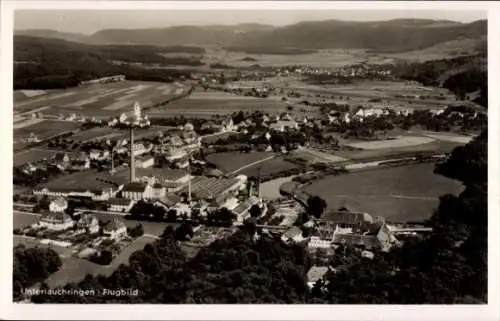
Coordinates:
column 315, row 156
column 32, row 156
column 402, row 141
column 232, row 161
column 23, row 219
column 45, row 129
column 435, row 146
column 408, row 193
column 100, row 99
column 268, row 167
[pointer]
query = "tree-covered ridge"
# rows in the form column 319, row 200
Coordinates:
column 42, row 63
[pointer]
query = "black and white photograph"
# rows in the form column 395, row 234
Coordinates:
column 258, row 155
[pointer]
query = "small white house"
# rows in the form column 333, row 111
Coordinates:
column 58, row 205
column 88, row 224
column 56, row 221
column 115, row 229
column 145, row 162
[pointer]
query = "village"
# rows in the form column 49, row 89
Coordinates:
column 165, row 180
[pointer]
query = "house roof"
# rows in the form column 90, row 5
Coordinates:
column 135, row 187
column 292, row 232
column 59, row 156
column 169, row 199
column 157, row 186
column 60, row 201
column 87, row 219
column 369, row 241
column 58, row 217
column 161, row 173
column 341, row 217
column 316, row 272
column 114, row 225
column 119, row 201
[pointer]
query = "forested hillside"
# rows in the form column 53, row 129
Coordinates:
column 42, row 63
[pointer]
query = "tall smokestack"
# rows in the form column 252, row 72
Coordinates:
column 132, row 157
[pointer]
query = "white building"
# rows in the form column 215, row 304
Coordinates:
column 56, row 221
column 58, row 205
column 145, row 162
column 120, row 204
column 88, row 224
column 115, row 229
column 134, row 191
column 315, row 242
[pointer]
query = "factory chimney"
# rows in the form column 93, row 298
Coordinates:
column 132, row 156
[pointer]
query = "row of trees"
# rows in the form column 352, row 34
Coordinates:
column 32, row 265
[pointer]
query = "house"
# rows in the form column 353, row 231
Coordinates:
column 134, row 190
column 167, row 201
column 61, row 159
column 31, row 138
column 371, row 236
column 28, row 168
column 58, row 205
column 317, row 242
column 56, row 221
column 88, row 223
column 120, row 205
column 345, row 219
column 80, row 163
column 115, row 229
column 282, row 125
column 155, row 191
column 98, row 154
column 316, row 273
column 145, row 161
column 294, row 234
column 139, row 149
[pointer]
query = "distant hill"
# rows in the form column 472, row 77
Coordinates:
column 46, row 33
column 387, row 36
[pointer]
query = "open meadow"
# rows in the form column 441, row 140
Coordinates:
column 407, row 193
column 230, row 162
column 44, row 129
column 206, row 104
column 268, row 167
column 32, row 156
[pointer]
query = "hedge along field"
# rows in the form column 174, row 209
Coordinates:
column 407, row 193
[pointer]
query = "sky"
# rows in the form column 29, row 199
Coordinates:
column 90, row 21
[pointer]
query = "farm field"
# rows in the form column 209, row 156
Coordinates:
column 401, row 141
column 32, row 156
column 321, row 58
column 389, row 92
column 268, row 167
column 45, row 129
column 232, row 161
column 315, row 156
column 432, row 147
column 22, row 219
column 97, row 133
column 101, row 99
column 408, row 193
column 209, row 103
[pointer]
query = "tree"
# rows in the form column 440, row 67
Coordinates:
column 316, row 206
column 255, row 211
column 172, row 215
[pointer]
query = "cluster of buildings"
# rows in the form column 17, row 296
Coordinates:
column 57, row 220
column 343, row 227
column 104, row 80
